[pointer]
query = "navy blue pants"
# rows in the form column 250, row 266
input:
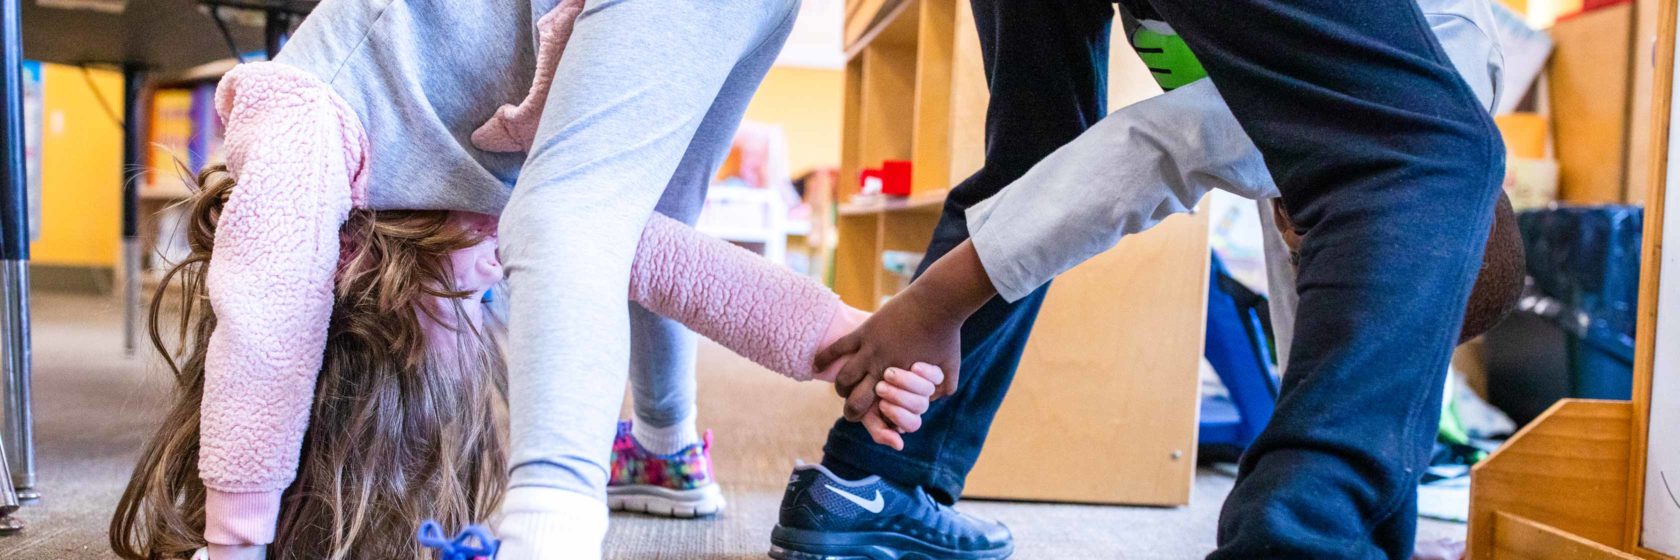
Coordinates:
column 1383, row 156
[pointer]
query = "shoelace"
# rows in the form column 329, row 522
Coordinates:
column 473, row 542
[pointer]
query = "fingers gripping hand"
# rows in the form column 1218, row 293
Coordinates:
column 904, row 331
column 903, row 397
column 840, row 362
column 846, row 320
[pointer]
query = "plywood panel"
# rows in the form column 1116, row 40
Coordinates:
column 1639, row 152
column 1589, row 78
column 969, row 98
column 1109, row 378
column 856, row 258
column 1568, row 467
column 907, row 230
column 886, row 113
column 935, row 47
column 867, row 18
column 1525, row 134
column 1520, row 538
column 851, row 124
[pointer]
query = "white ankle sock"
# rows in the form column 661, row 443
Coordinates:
column 551, row 524
column 665, row 440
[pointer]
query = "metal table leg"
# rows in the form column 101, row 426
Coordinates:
column 14, row 261
column 8, row 499
column 134, row 141
column 15, row 365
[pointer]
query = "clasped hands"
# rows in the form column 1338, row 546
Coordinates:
column 869, row 367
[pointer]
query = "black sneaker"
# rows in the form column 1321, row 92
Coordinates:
column 825, row 517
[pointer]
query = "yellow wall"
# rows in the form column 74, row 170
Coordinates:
column 806, row 102
column 81, row 170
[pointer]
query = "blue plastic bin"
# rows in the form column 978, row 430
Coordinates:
column 1583, row 267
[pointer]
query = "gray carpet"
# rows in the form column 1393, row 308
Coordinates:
column 94, row 407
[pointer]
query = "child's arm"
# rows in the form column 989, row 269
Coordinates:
column 730, row 295
column 1136, row 167
column 513, row 126
column 763, row 312
column 296, row 152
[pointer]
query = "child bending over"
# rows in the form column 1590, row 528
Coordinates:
column 408, row 416
column 340, row 384
column 361, row 135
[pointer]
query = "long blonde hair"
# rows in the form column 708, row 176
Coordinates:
column 400, row 430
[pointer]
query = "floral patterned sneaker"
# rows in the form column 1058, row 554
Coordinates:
column 675, row 485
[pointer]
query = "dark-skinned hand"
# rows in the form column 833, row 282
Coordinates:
column 902, row 333
column 922, row 324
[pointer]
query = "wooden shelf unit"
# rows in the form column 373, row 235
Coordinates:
column 915, row 91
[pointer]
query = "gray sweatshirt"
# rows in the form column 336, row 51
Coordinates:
column 422, row 77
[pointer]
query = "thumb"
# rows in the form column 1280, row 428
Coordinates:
column 953, row 370
column 862, row 398
column 846, row 346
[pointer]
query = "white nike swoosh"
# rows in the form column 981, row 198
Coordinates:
column 874, row 506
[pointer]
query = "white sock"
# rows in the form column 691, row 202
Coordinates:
column 665, row 440
column 551, row 524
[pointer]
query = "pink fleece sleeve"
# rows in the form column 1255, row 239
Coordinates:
column 730, row 295
column 297, row 152
column 512, row 128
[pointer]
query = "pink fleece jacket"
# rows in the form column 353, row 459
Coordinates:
column 299, row 154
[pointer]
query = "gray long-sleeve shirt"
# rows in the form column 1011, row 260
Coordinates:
column 1158, row 157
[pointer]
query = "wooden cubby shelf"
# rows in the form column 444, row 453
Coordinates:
column 914, row 92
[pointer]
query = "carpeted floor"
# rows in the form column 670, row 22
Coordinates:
column 94, row 407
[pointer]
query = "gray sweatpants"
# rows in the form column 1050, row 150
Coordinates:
column 661, row 349
column 648, row 97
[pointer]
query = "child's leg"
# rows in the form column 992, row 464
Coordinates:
column 641, row 77
column 651, row 476
column 662, row 361
column 661, row 349
column 662, row 381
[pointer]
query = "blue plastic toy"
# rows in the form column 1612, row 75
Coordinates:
column 1240, row 352
column 473, row 543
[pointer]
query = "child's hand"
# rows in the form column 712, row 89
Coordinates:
column 903, row 394
column 922, row 323
column 903, row 331
column 903, row 397
column 846, row 320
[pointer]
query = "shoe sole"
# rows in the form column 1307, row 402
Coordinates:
column 800, row 544
column 665, row 502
